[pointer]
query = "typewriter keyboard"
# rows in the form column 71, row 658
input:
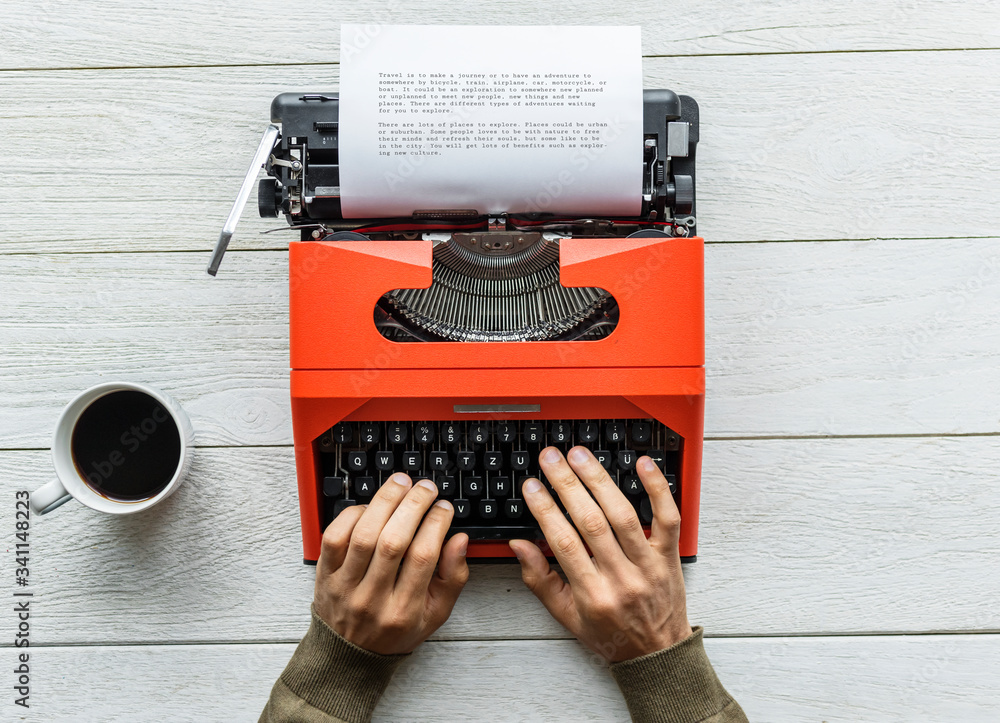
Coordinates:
column 479, row 465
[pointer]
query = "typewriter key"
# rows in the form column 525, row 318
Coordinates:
column 533, row 433
column 506, row 432
column 411, row 461
column 343, row 433
column 398, row 433
column 357, row 461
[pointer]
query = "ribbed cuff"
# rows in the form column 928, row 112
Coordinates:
column 336, row 676
column 674, row 685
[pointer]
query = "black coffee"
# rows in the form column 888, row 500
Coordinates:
column 126, row 446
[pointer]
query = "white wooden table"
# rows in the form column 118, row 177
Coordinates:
column 849, row 562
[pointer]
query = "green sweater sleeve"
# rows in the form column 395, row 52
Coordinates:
column 329, row 680
column 676, row 685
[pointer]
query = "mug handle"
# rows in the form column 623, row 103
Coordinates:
column 49, row 496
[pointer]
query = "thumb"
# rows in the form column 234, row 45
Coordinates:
column 450, row 578
column 546, row 584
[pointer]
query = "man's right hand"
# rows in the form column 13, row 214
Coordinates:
column 628, row 599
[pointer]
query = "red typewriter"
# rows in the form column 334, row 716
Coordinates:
column 454, row 346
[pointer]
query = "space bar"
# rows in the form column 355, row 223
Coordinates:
column 499, row 532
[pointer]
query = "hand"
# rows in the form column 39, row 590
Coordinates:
column 376, row 583
column 628, row 600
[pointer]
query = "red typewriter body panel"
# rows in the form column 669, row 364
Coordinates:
column 651, row 366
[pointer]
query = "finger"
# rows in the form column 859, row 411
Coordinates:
column 618, row 510
column 398, row 533
column 559, row 533
column 546, row 584
column 418, row 566
column 369, row 527
column 450, row 578
column 587, row 515
column 666, row 519
column 337, row 539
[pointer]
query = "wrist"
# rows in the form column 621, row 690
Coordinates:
column 670, row 637
column 336, row 676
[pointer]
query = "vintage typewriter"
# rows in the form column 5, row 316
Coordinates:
column 454, row 346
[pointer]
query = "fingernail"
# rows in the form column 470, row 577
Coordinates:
column 443, row 504
column 551, row 455
column 464, row 547
column 401, row 479
column 532, row 486
column 427, row 485
column 517, row 553
column 647, row 464
column 578, row 455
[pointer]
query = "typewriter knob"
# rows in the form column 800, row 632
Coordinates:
column 680, row 194
column 268, row 197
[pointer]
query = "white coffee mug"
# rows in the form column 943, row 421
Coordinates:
column 72, row 482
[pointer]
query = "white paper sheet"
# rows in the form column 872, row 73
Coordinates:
column 496, row 119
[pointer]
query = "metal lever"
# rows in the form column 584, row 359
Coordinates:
column 263, row 151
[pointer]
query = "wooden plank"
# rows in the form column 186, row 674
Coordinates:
column 886, row 337
column 797, row 537
column 890, row 678
column 151, row 159
column 220, row 346
column 119, row 34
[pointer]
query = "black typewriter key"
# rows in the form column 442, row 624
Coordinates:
column 343, row 433
column 449, row 433
column 462, row 509
column 424, row 433
column 646, row 511
column 479, row 433
column 487, row 509
column 614, row 431
column 658, row 457
column 411, row 461
column 384, row 460
column 519, row 460
column 672, row 482
column 641, row 432
column 604, row 457
column 499, row 486
column 398, row 433
column 559, row 432
column 357, row 460
column 587, row 432
column 492, row 460
column 370, row 433
column 626, row 459
column 533, row 433
column 333, row 486
column 446, row 486
column 439, row 461
column 364, row 486
column 473, row 486
column 465, row 461
column 341, row 505
column 632, row 485
column 506, row 431
column 513, row 509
